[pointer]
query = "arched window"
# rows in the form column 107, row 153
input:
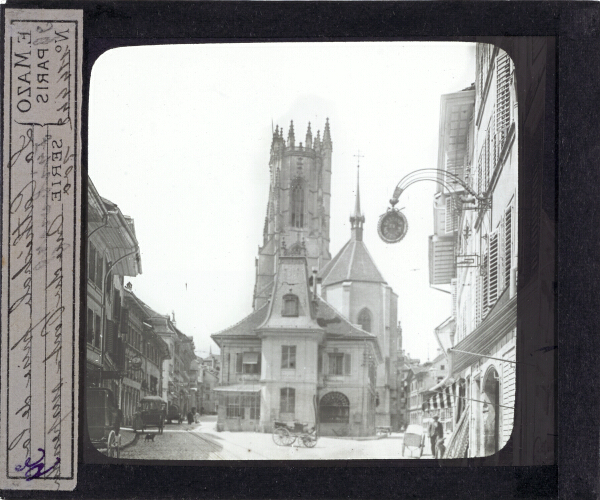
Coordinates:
column 364, row 320
column 297, row 206
column 334, row 408
column 290, row 305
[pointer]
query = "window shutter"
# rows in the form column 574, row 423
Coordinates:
column 449, row 215
column 478, row 300
column 480, row 172
column 110, row 337
column 117, row 307
column 239, row 357
column 493, row 141
column 507, row 246
column 502, row 96
column 485, row 286
column 90, row 326
column 124, row 319
column 347, row 364
column 98, row 332
column 486, row 162
column 99, row 269
column 493, row 270
column 325, row 363
column 453, row 286
column 92, row 264
column 501, row 256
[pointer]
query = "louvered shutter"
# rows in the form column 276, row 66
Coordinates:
column 124, row 320
column 485, row 286
column 501, row 256
column 347, row 364
column 453, row 286
column 493, row 141
column 493, row 269
column 92, row 264
column 503, row 96
column 507, row 246
column 110, row 337
column 478, row 300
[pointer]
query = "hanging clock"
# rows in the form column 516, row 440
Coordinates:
column 392, row 226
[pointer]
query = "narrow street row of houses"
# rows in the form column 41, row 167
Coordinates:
column 130, row 348
column 470, row 385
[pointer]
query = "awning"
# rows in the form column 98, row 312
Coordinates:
column 501, row 320
column 251, row 358
column 443, row 398
column 239, row 388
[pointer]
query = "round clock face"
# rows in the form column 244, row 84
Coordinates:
column 136, row 363
column 392, row 226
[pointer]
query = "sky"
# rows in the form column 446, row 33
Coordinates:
column 179, row 139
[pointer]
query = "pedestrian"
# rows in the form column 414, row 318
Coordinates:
column 197, row 417
column 190, row 418
column 435, row 431
column 440, row 448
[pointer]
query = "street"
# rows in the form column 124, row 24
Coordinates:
column 202, row 442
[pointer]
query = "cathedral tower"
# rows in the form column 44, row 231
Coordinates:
column 297, row 220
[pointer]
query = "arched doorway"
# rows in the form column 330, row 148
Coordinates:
column 334, row 409
column 491, row 416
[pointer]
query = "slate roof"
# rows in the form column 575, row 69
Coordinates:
column 328, row 318
column 336, row 325
column 246, row 326
column 352, row 263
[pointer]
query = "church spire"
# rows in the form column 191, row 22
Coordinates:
column 327, row 135
column 357, row 219
column 291, row 136
column 308, row 140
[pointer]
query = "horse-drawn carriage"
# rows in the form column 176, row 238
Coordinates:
column 103, row 421
column 285, row 434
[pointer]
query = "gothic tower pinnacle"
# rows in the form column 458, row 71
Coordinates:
column 298, row 210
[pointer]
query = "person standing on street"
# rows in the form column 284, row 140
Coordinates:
column 435, row 431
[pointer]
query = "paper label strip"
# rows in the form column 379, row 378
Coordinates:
column 41, row 235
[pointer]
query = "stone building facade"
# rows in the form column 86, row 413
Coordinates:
column 478, row 137
column 329, row 357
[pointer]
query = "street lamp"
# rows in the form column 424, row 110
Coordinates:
column 392, row 225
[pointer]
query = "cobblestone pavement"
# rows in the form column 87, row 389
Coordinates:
column 183, row 442
column 202, row 442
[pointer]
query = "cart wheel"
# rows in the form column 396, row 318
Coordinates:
column 279, row 436
column 309, row 441
column 119, row 446
column 112, row 444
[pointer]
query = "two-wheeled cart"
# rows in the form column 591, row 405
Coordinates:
column 285, row 434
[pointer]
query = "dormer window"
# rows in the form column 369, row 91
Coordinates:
column 364, row 320
column 290, row 305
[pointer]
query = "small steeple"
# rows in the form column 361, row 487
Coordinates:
column 357, row 219
column 308, row 141
column 327, row 135
column 317, row 144
column 291, row 136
